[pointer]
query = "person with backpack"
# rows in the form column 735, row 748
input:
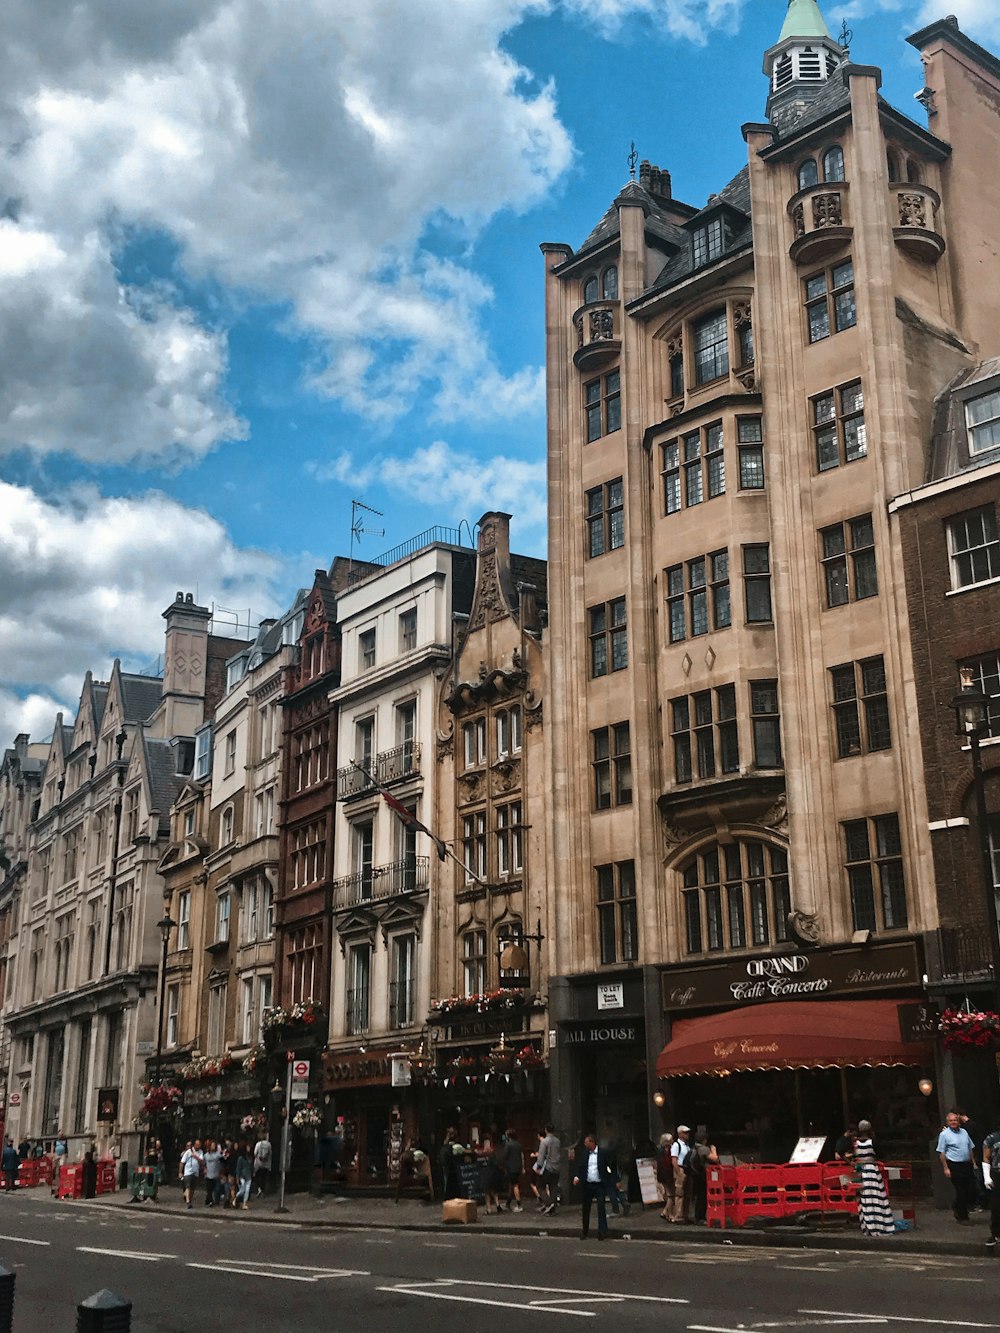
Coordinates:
column 680, row 1151
column 701, row 1156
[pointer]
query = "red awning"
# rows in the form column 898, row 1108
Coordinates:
column 806, row 1035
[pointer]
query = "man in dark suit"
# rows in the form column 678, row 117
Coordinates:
column 594, row 1173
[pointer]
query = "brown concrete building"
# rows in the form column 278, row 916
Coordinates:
column 737, row 394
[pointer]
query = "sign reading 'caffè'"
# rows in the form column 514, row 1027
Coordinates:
column 819, row 974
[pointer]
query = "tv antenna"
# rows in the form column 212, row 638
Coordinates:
column 358, row 529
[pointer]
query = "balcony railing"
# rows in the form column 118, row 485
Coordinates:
column 402, row 1010
column 358, row 1010
column 371, row 569
column 378, row 883
column 964, row 953
column 819, row 221
column 598, row 333
column 388, row 767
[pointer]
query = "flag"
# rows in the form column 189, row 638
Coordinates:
column 411, row 821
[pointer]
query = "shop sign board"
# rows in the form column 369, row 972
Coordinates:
column 300, row 1092
column 471, row 1184
column 649, row 1187
column 611, row 996
column 485, row 1026
column 107, row 1103
column 203, row 1094
column 15, row 1099
column 601, row 1032
column 807, row 1150
column 402, row 1074
column 918, row 1022
column 818, row 974
column 356, row 1069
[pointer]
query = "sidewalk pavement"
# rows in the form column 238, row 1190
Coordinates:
column 936, row 1231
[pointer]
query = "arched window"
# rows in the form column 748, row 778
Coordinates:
column 912, row 171
column 677, row 375
column 833, row 164
column 590, row 289
column 609, row 283
column 892, row 163
column 808, row 174
column 736, row 896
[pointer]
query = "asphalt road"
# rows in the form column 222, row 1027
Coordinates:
column 212, row 1273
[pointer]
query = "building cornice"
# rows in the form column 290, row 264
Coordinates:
column 935, row 488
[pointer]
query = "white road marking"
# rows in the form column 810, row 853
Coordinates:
column 126, row 1254
column 26, row 1240
column 303, row 1268
column 811, row 1268
column 255, row 1272
column 511, row 1249
column 437, row 1245
column 481, row 1300
column 903, row 1319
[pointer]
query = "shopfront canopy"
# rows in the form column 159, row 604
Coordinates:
column 835, row 1034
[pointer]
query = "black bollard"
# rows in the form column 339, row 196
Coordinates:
column 104, row 1312
column 7, row 1279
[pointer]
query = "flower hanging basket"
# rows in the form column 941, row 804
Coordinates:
column 966, row 1033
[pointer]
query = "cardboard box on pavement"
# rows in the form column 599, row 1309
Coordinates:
column 458, row 1210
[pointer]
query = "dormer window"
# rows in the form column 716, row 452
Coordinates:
column 982, row 416
column 710, row 241
column 590, row 289
column 609, row 283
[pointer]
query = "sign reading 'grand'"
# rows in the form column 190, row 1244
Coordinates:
column 821, row 974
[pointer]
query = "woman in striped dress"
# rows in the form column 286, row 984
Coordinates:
column 873, row 1202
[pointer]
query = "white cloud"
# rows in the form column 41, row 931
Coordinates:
column 690, row 19
column 86, row 579
column 458, row 484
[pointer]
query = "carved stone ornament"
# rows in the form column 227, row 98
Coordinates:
column 489, row 599
column 675, row 346
column 827, row 211
column 602, row 325
column 741, row 314
column 805, row 927
column 777, row 816
column 445, row 747
column 532, row 712
column 672, row 835
column 677, row 409
column 748, row 379
column 472, row 783
column 912, row 210
column 506, row 775
column 799, row 221
column 578, row 325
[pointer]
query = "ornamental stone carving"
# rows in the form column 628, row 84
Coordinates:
column 472, row 784
column 578, row 325
column 506, row 776
column 602, row 325
column 827, row 211
column 799, row 221
column 777, row 815
column 489, row 600
column 912, row 210
column 805, row 927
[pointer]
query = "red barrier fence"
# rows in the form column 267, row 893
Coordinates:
column 740, row 1194
column 107, row 1170
column 71, row 1181
column 27, row 1175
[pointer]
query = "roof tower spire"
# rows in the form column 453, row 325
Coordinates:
column 801, row 63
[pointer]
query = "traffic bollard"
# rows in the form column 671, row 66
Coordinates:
column 104, row 1312
column 7, row 1279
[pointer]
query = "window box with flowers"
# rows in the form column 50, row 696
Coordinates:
column 160, row 1099
column 307, row 1117
column 489, row 1002
column 206, row 1066
column 254, row 1059
column 966, row 1032
column 279, row 1023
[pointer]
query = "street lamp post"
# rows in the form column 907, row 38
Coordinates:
column 276, row 1094
column 164, row 926
column 971, row 707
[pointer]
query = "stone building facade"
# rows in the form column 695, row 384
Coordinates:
column 737, row 395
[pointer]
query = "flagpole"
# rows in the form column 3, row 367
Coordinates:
column 470, row 874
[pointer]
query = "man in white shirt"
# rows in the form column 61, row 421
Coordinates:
column 680, row 1150
column 594, row 1172
column 192, row 1163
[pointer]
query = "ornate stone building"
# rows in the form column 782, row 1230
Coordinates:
column 738, row 395
column 81, row 1007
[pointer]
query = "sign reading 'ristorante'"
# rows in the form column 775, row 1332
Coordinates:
column 820, row 974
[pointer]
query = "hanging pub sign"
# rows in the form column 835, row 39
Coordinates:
column 919, row 1022
column 819, row 974
column 107, row 1103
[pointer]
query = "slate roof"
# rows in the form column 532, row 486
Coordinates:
column 949, row 449
column 791, row 114
column 141, row 696
column 735, row 195
column 161, row 773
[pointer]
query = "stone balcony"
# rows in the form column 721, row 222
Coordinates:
column 598, row 334
column 914, row 211
column 820, row 222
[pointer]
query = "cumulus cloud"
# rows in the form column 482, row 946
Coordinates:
column 691, row 19
column 459, row 484
column 86, row 579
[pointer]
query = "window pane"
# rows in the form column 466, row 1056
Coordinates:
column 692, row 922
column 751, row 468
column 606, row 919
column 737, row 920
column 819, row 322
column 713, row 917
column 767, row 745
column 856, row 839
column 815, row 286
column 629, row 931
column 862, row 898
column 865, row 576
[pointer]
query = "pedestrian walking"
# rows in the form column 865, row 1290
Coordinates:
column 703, row 1155
column 547, row 1165
column 10, row 1163
column 593, row 1171
column 874, row 1212
column 212, row 1162
column 192, row 1165
column 954, row 1148
column 261, row 1163
column 514, row 1166
column 991, row 1179
column 665, row 1175
column 244, row 1176
column 59, row 1159
column 446, row 1161
column 496, row 1178
column 680, row 1151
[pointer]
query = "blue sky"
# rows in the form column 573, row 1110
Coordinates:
column 258, row 259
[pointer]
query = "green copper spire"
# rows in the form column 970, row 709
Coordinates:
column 803, row 20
